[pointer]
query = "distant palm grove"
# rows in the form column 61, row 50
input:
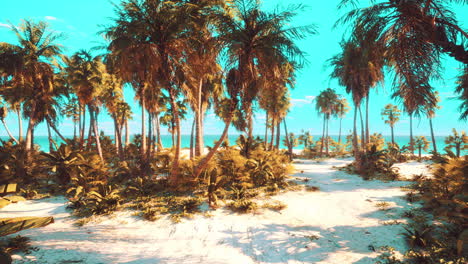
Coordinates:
column 229, row 56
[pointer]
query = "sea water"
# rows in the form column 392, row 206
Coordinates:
column 43, row 141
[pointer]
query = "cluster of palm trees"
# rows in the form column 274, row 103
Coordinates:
column 223, row 55
column 330, row 104
column 408, row 38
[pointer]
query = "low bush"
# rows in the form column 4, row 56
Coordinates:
column 243, row 206
column 275, row 206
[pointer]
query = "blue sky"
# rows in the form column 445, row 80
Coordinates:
column 81, row 20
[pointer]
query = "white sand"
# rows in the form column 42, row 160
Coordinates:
column 343, row 215
column 410, row 169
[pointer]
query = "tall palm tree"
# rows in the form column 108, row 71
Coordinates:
column 462, row 90
column 391, row 115
column 86, row 73
column 31, row 69
column 430, row 113
column 421, row 143
column 257, row 42
column 3, row 115
column 202, row 74
column 459, row 141
column 415, row 33
column 306, row 139
column 414, row 99
column 351, row 68
column 326, row 104
column 342, row 108
column 148, row 39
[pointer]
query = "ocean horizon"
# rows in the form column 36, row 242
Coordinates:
column 43, row 142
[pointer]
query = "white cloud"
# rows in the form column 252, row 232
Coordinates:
column 50, row 18
column 5, row 25
column 300, row 102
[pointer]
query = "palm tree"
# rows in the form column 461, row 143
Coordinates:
column 86, row 74
column 306, row 139
column 112, row 97
column 462, row 89
column 342, row 108
column 391, row 115
column 148, row 41
column 421, row 143
column 326, row 104
column 359, row 67
column 457, row 141
column 3, row 115
column 30, row 68
column 258, row 43
column 415, row 33
column 414, row 99
column 430, row 113
column 202, row 73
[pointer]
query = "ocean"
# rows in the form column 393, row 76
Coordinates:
column 43, row 141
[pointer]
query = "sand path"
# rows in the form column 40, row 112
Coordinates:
column 338, row 224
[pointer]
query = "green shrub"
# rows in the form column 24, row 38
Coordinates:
column 275, row 206
column 16, row 244
column 243, row 206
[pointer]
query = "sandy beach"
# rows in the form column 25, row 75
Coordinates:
column 338, row 224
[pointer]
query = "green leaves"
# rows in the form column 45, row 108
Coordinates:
column 12, row 225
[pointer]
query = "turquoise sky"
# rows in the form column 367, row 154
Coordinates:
column 81, row 20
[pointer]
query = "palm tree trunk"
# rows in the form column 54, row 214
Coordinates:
column 74, row 130
column 91, row 125
column 158, row 133
column 434, row 144
column 202, row 130
column 96, row 134
column 323, row 136
column 288, row 143
column 339, row 133
column 9, row 132
column 20, row 124
column 150, row 134
column 143, row 126
column 80, row 129
column 52, row 125
column 204, row 162
column 197, row 122
column 49, row 136
column 84, row 121
column 250, row 131
column 393, row 135
column 327, row 148
column 363, row 136
column 278, row 134
column 411, row 134
column 118, row 137
column 266, row 130
column 355, row 140
column 367, row 118
column 29, row 135
column 192, row 152
column 155, row 133
column 272, row 128
column 173, row 178
column 127, row 133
